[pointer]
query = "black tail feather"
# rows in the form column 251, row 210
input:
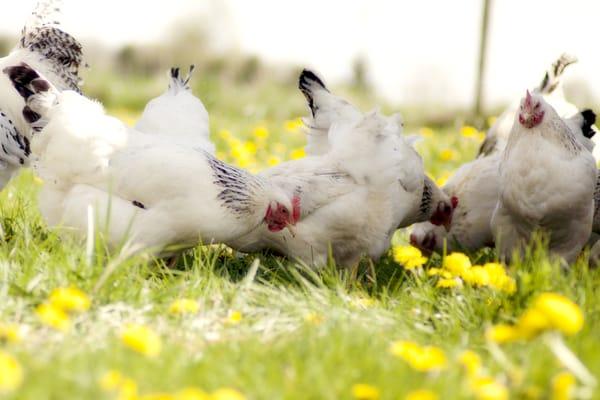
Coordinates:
column 306, row 84
column 589, row 119
column 553, row 75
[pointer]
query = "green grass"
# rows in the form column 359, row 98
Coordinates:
column 303, row 334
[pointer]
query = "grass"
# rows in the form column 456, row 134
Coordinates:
column 266, row 326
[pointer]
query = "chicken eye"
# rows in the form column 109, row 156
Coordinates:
column 536, row 106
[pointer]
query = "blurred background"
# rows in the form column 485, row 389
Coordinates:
column 422, row 58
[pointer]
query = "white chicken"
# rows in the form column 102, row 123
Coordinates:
column 475, row 185
column 550, row 88
column 58, row 56
column 547, row 181
column 178, row 114
column 145, row 189
column 360, row 182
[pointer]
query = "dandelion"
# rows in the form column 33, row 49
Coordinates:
column 313, row 318
column 563, row 385
column 297, row 154
column 261, row 132
column 443, row 178
column 11, row 373
column 10, row 333
column 363, row 391
column 457, row 263
column 156, row 396
column 502, row 333
column 426, row 132
column 409, row 257
column 141, row 339
column 227, row 394
column 234, row 317
column 561, row 313
column 273, row 161
column 184, row 306
column 427, row 358
column 532, row 322
column 448, row 283
column 447, row 155
column 111, row 380
column 53, row 317
column 471, row 362
column 486, row 388
column 191, row 393
column 293, row 125
column 421, row 394
column 69, row 299
column 468, row 131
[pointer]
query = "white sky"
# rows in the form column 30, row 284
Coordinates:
column 417, row 51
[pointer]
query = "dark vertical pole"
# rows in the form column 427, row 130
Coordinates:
column 482, row 55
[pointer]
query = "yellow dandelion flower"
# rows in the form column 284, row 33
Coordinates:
column 184, row 306
column 225, row 134
column 447, row 283
column 11, row 373
column 227, row 394
column 486, row 388
column 234, row 317
column 447, row 155
column 457, row 263
column 363, row 391
column 273, row 161
column 563, row 314
column 532, row 322
column 128, row 390
column 250, row 148
column 10, row 333
column 421, row 394
column 297, row 154
column 443, row 178
column 111, row 380
column 476, row 276
column 69, row 299
column 260, row 132
column 439, row 272
column 53, row 316
column 293, row 125
column 157, row 396
column 427, row 358
column 409, row 257
column 141, row 339
column 191, row 393
column 468, row 131
column 313, row 318
column 426, row 132
column 470, row 361
column 502, row 333
column 563, row 385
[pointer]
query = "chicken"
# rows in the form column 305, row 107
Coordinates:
column 550, row 88
column 360, row 181
column 325, row 109
column 146, row 190
column 547, row 181
column 475, row 185
column 179, row 114
column 58, row 56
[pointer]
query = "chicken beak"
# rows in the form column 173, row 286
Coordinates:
column 292, row 229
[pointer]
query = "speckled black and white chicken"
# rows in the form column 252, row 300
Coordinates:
column 58, row 56
column 547, row 181
column 360, row 181
column 150, row 190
